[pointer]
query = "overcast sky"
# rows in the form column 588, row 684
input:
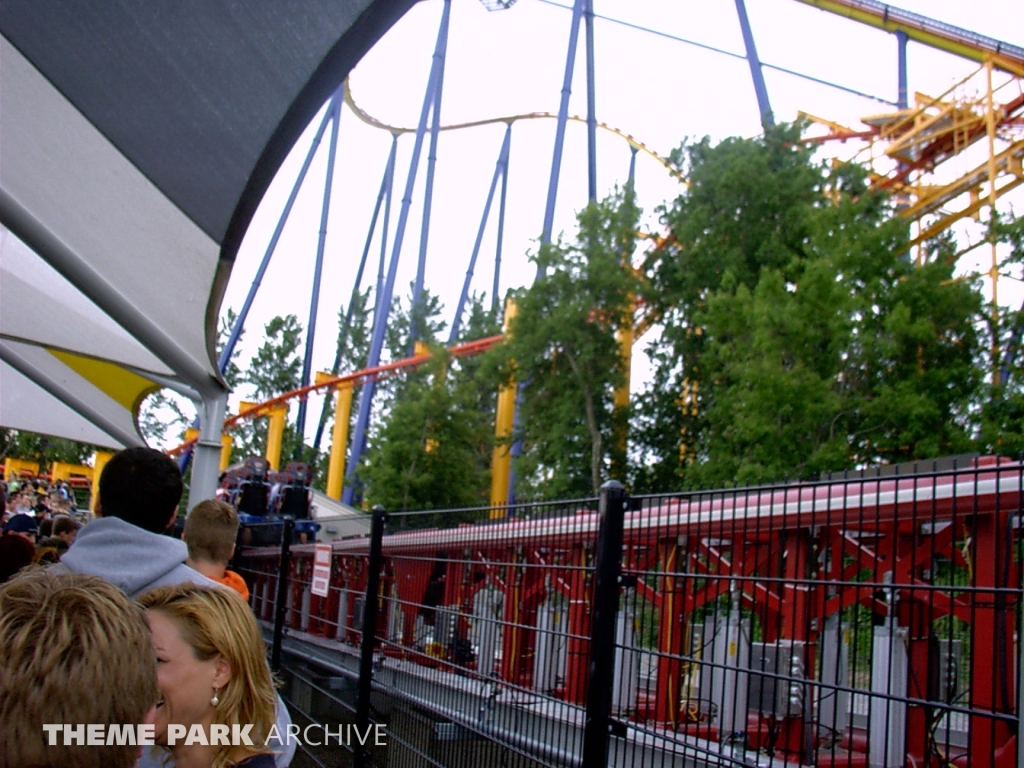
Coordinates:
column 511, row 62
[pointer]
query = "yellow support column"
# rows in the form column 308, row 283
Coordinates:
column 62, row 471
column 99, row 461
column 18, row 466
column 275, row 434
column 339, row 439
column 227, row 444
column 504, row 418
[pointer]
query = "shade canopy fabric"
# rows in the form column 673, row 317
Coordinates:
column 136, row 141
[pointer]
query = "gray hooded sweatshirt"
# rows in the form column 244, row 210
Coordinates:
column 137, row 561
column 130, row 558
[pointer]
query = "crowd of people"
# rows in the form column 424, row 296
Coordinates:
column 129, row 628
column 38, row 523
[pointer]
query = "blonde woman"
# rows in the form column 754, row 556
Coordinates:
column 211, row 671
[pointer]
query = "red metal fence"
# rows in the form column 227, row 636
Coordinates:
column 870, row 620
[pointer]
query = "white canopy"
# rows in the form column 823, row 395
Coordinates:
column 136, row 140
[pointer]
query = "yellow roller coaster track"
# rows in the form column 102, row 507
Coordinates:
column 395, row 129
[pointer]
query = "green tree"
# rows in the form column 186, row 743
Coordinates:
column 274, row 369
column 1002, row 429
column 427, row 450
column 562, row 349
column 352, row 350
column 30, row 446
column 424, row 317
column 807, row 339
column 432, row 444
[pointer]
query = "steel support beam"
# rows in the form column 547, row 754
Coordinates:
column 385, row 192
column 591, row 104
column 499, row 171
column 428, row 190
column 314, row 299
column 756, row 72
column 901, row 69
column 383, row 297
column 501, row 232
column 563, row 117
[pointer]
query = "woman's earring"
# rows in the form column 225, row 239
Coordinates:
column 216, row 697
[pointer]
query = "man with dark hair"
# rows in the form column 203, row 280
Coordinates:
column 141, row 486
column 139, row 492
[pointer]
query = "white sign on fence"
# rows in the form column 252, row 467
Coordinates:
column 321, row 570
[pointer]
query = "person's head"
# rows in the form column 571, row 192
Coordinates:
column 52, row 541
column 45, row 527
column 211, row 658
column 211, row 529
column 22, row 525
column 141, row 486
column 24, row 500
column 75, row 650
column 65, row 528
column 15, row 553
column 47, row 555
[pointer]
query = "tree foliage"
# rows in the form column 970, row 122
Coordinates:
column 30, row 446
column 806, row 337
column 274, row 369
column 563, row 352
column 1002, row 413
column 432, row 445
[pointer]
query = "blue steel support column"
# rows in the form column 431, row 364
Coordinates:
column 756, row 73
column 314, row 299
column 428, row 189
column 631, row 178
column 501, row 229
column 383, row 299
column 563, row 117
column 387, row 223
column 901, row 69
column 498, row 171
column 591, row 105
column 385, row 188
column 236, row 332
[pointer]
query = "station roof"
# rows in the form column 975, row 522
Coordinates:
column 136, row 142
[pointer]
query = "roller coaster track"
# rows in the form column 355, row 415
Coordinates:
column 921, row 29
column 395, row 129
column 358, row 378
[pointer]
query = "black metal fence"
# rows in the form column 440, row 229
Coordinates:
column 869, row 620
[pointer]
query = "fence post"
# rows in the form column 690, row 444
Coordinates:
column 369, row 629
column 607, row 582
column 281, row 606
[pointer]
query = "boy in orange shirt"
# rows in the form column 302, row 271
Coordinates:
column 211, row 530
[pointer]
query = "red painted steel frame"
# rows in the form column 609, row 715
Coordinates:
column 793, row 554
